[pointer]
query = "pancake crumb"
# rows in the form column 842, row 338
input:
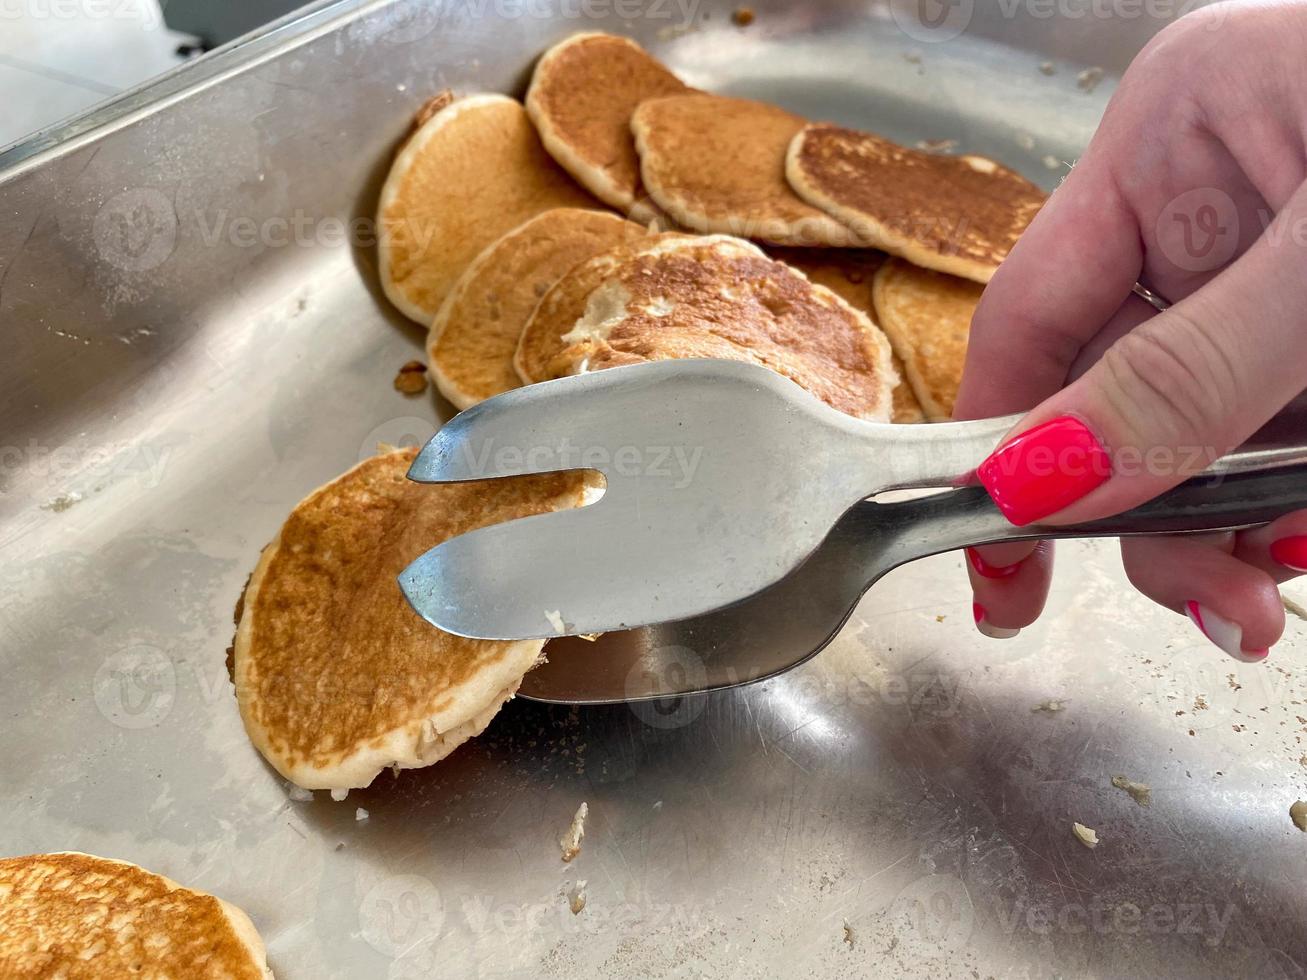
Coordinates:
column 361, row 814
column 555, row 618
column 743, row 16
column 848, row 934
column 1298, row 814
column 412, row 378
column 576, row 897
column 339, row 795
column 1086, row 835
column 1088, row 79
column 1051, row 707
column 570, row 844
column 1141, row 793
column 63, row 502
column 1047, row 68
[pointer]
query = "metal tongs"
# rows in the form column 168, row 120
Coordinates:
column 735, row 532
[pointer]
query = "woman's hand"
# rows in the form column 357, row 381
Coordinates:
column 1194, row 186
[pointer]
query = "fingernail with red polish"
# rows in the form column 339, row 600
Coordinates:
column 988, row 628
column 1224, row 633
column 1044, row 469
column 1291, row 552
column 986, row 570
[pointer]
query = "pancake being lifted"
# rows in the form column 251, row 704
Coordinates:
column 79, row 917
column 927, row 317
column 848, row 273
column 473, row 339
column 581, row 98
column 721, row 297
column 474, row 170
column 959, row 215
column 717, row 164
column 337, row 678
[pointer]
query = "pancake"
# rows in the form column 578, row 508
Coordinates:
column 959, row 215
column 474, row 336
column 848, row 272
column 474, row 170
column 581, row 98
column 78, row 917
column 927, row 317
column 723, row 297
column 536, row 358
column 717, row 164
column 336, row 676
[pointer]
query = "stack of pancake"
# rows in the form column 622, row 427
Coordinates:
column 614, row 217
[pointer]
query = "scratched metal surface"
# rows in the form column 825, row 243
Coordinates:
column 189, row 348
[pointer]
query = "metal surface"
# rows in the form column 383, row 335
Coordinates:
column 167, row 396
column 720, row 479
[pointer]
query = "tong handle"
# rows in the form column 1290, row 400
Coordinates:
column 1253, row 491
column 966, row 517
column 947, row 453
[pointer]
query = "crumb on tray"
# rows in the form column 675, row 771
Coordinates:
column 1088, row 79
column 412, row 378
column 1298, row 814
column 1051, row 706
column 1086, row 835
column 576, row 897
column 1141, row 793
column 570, row 844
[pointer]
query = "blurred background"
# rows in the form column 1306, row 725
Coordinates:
column 59, row 57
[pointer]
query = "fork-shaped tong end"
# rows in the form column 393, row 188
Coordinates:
column 720, row 478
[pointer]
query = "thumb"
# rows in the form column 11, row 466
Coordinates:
column 1171, row 396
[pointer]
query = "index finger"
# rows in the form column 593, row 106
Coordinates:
column 1070, row 271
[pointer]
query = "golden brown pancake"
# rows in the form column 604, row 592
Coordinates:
column 723, row 297
column 927, row 317
column 717, row 164
column 848, row 272
column 563, row 304
column 474, row 170
column 336, row 676
column 959, row 215
column 474, row 336
column 581, row 98
column 77, row 917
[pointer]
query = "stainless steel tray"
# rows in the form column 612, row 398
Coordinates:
column 188, row 348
